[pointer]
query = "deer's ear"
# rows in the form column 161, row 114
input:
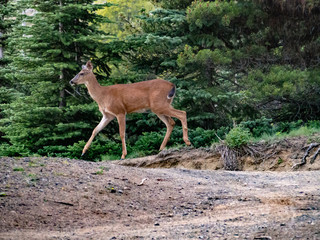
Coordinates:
column 84, row 67
column 89, row 65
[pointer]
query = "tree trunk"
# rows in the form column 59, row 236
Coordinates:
column 62, row 102
column 1, row 48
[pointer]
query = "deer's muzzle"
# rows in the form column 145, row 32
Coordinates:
column 73, row 80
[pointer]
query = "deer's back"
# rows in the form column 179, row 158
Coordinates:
column 133, row 97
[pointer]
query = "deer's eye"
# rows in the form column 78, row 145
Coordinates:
column 81, row 74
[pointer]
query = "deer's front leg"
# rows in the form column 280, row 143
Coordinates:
column 104, row 122
column 122, row 130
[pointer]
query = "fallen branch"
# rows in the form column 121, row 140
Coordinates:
column 218, row 137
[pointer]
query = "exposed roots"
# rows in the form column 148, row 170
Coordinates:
column 306, row 154
column 229, row 157
column 315, row 156
column 259, row 152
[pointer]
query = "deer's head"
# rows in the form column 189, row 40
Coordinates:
column 82, row 76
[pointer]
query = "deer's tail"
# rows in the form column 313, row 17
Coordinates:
column 172, row 92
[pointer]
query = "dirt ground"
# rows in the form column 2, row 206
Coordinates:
column 177, row 194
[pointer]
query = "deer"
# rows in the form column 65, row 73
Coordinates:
column 116, row 101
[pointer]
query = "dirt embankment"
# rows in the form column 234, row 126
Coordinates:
column 53, row 198
column 299, row 153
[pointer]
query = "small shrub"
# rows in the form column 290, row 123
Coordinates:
column 13, row 150
column 314, row 124
column 100, row 172
column 222, row 132
column 33, row 177
column 238, row 137
column 18, row 169
column 3, row 194
column 53, row 151
column 302, row 131
column 286, row 127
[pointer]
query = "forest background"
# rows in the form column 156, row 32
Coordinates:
column 254, row 64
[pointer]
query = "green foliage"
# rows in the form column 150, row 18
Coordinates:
column 201, row 137
column 18, row 169
column 238, row 137
column 122, row 16
column 100, row 172
column 303, row 131
column 286, row 127
column 43, row 114
column 97, row 149
column 255, row 62
column 148, row 143
column 3, row 194
column 280, row 160
column 13, row 150
column 173, row 4
column 206, row 14
column 313, row 124
column 202, row 57
column 258, row 127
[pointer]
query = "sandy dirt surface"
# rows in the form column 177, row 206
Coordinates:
column 54, row 198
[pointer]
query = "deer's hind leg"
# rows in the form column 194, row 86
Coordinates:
column 182, row 116
column 168, row 121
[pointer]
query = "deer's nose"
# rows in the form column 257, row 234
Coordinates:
column 72, row 83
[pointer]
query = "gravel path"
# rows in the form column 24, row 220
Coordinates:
column 53, row 198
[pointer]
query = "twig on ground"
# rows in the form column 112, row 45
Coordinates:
column 64, row 203
column 142, row 181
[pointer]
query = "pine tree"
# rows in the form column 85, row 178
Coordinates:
column 123, row 16
column 226, row 50
column 51, row 40
column 6, row 22
column 7, row 94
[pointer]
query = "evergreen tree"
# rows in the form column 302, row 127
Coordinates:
column 226, row 49
column 123, row 16
column 234, row 39
column 7, row 94
column 51, row 39
column 149, row 54
column 6, row 22
column 230, row 60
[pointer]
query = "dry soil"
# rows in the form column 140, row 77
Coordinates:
column 167, row 196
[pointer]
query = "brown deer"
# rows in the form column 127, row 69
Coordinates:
column 120, row 99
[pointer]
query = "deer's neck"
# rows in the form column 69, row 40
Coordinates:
column 94, row 88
